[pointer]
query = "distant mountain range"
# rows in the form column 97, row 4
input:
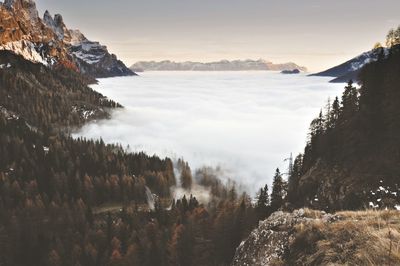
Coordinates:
column 223, row 65
column 48, row 41
column 350, row 69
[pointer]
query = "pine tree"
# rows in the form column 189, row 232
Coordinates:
column 334, row 114
column 349, row 102
column 186, row 177
column 320, row 123
column 263, row 203
column 317, row 127
column 327, row 116
column 393, row 37
column 377, row 45
column 278, row 191
column 293, row 181
column 290, row 166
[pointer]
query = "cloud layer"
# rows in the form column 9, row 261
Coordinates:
column 245, row 122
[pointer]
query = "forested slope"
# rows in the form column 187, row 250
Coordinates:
column 352, row 159
column 49, row 182
column 49, row 98
column 66, row 201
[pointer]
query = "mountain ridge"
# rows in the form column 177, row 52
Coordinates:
column 222, row 65
column 350, row 69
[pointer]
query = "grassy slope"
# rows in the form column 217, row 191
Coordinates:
column 357, row 238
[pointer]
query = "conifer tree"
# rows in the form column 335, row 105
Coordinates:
column 327, row 117
column 393, row 37
column 349, row 102
column 278, row 191
column 293, row 181
column 377, row 45
column 263, row 203
column 186, row 177
column 334, row 114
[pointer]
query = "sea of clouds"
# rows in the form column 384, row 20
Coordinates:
column 247, row 123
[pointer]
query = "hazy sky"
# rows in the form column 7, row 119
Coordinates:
column 317, row 34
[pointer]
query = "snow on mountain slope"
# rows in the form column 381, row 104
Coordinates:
column 26, row 49
column 88, row 51
column 350, row 69
column 94, row 59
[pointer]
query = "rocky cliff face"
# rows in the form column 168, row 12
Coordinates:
column 94, row 58
column 50, row 42
column 23, row 32
column 27, row 16
column 58, row 27
column 9, row 29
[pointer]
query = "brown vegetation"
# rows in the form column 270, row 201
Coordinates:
column 357, row 238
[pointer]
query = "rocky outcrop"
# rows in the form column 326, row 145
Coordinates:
column 94, row 58
column 9, row 27
column 337, row 187
column 22, row 31
column 91, row 57
column 307, row 237
column 223, row 65
column 294, row 71
column 340, row 188
column 27, row 16
column 269, row 243
column 58, row 27
column 50, row 42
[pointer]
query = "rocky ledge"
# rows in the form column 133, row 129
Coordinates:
column 308, row 237
column 269, row 243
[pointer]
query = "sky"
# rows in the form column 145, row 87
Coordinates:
column 316, row 34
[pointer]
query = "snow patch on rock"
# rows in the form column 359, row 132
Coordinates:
column 4, row 66
column 26, row 49
column 384, row 196
column 366, row 58
column 89, row 52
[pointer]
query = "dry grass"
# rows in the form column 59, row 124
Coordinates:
column 358, row 238
column 310, row 213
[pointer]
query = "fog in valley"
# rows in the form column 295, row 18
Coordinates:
column 245, row 123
